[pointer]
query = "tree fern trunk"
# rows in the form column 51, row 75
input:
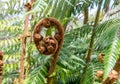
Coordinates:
column 93, row 33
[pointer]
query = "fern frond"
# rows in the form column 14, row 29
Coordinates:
column 90, row 74
column 112, row 56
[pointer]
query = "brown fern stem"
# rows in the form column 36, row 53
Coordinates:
column 56, row 54
column 24, row 37
column 93, row 32
column 1, row 66
column 54, row 61
column 21, row 76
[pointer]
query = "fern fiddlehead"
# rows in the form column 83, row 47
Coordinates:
column 50, row 45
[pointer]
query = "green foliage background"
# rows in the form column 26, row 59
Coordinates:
column 71, row 62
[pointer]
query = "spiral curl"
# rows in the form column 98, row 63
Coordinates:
column 49, row 44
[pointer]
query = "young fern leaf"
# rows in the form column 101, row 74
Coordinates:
column 112, row 56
